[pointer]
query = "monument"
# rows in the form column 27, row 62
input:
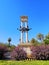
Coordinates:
column 24, row 28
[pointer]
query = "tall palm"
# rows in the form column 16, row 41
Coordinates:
column 40, row 37
column 9, row 40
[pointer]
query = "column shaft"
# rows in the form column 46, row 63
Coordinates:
column 21, row 37
column 26, row 36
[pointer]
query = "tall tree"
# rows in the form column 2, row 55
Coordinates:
column 9, row 40
column 40, row 37
column 34, row 42
column 47, row 36
column 46, row 40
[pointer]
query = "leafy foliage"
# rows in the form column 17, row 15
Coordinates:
column 9, row 40
column 40, row 52
column 34, row 42
column 3, row 50
column 46, row 40
column 18, row 54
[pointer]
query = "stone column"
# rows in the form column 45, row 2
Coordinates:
column 21, row 37
column 26, row 36
column 21, row 33
column 26, row 24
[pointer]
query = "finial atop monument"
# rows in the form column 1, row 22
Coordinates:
column 24, row 18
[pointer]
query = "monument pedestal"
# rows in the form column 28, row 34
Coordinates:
column 27, row 48
column 25, row 45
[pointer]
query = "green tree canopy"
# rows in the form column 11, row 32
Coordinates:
column 34, row 42
column 46, row 40
column 9, row 40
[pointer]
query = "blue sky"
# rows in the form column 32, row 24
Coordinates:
column 10, row 12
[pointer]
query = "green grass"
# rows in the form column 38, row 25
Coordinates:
column 33, row 62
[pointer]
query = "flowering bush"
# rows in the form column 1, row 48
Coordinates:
column 40, row 52
column 19, row 54
column 3, row 49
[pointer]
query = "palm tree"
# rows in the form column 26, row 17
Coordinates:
column 40, row 37
column 34, row 41
column 9, row 40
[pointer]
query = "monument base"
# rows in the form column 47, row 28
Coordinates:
column 27, row 48
column 24, row 45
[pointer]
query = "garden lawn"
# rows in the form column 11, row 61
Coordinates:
column 33, row 62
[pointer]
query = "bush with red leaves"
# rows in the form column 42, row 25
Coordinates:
column 40, row 52
column 3, row 50
column 19, row 54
